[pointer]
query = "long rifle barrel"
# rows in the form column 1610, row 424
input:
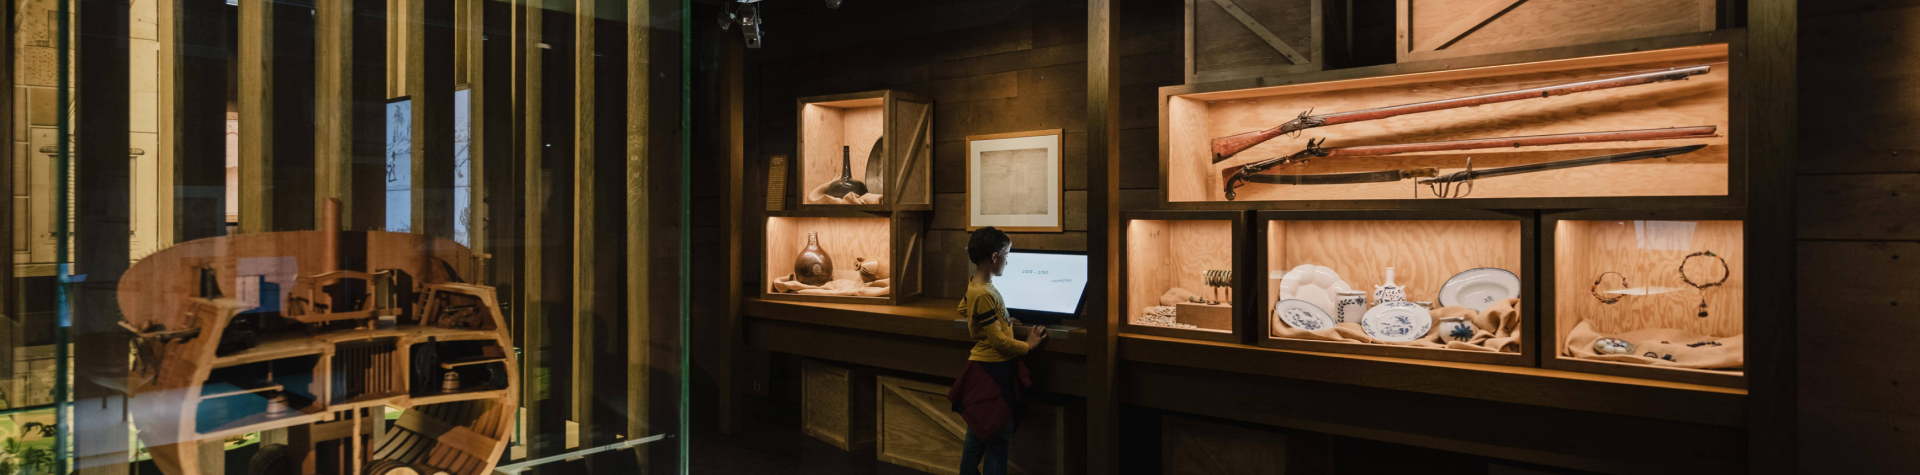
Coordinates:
column 1233, row 177
column 1225, row 147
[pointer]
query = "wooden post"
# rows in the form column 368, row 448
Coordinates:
column 1103, row 218
column 349, row 129
column 586, row 255
column 102, row 224
column 429, row 48
column 8, row 220
column 548, row 101
column 733, row 132
column 256, row 117
column 639, row 227
column 193, row 111
column 1773, row 411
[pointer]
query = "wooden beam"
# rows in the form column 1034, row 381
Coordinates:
column 1772, row 374
column 193, row 112
column 1473, row 21
column 8, row 220
column 587, row 255
column 349, row 130
column 102, row 225
column 256, row 117
column 733, row 134
column 639, row 315
column 429, row 76
column 1103, row 218
column 548, row 103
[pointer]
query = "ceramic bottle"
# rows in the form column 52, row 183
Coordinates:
column 841, row 187
column 813, row 266
column 1389, row 292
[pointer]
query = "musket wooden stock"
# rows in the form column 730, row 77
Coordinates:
column 1225, row 147
column 1233, row 177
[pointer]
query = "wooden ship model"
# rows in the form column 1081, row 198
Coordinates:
column 252, row 332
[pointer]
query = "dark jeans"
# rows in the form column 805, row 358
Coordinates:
column 994, row 452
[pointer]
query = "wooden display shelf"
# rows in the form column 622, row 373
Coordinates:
column 896, row 237
column 1578, row 246
column 1191, row 116
column 1175, row 249
column 1237, row 39
column 1426, row 248
column 902, row 123
column 1437, row 29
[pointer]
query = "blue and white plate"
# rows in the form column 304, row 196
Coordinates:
column 1301, row 314
column 1479, row 288
column 1397, row 321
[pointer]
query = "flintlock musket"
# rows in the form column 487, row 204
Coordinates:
column 1443, row 185
column 1225, row 147
column 1261, row 171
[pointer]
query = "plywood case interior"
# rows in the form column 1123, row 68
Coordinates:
column 1168, row 250
column 901, row 124
column 1641, row 254
column 1434, row 29
column 1195, row 115
column 894, row 238
column 1236, row 39
column 1425, row 248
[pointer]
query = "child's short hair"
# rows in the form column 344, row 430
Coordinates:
column 985, row 242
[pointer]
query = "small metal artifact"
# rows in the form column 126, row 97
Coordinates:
column 1725, row 272
column 1460, row 184
column 1612, row 346
column 813, row 266
column 876, row 168
column 1218, row 279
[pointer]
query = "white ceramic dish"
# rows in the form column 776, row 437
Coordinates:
column 1301, row 314
column 1397, row 321
column 1314, row 284
column 1479, row 288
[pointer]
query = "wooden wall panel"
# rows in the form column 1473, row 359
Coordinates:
column 1197, row 447
column 1855, row 295
column 836, row 404
column 1434, row 29
column 918, row 429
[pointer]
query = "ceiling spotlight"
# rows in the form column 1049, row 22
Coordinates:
column 750, row 25
column 833, row 3
column 726, row 17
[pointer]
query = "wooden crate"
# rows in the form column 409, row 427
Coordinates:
column 1167, row 249
column 1193, row 115
column 1197, row 447
column 898, row 237
column 903, row 124
column 918, row 429
column 1580, row 245
column 836, row 404
column 1437, row 29
column 1426, row 247
column 1238, row 39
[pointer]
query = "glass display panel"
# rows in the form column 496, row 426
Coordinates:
column 1179, row 274
column 1437, row 284
column 1661, row 294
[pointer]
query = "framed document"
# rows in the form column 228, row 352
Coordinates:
column 1015, row 181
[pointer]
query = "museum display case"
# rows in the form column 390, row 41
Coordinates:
column 1567, row 128
column 844, row 256
column 865, row 151
column 1453, row 285
column 1184, row 274
column 1657, row 294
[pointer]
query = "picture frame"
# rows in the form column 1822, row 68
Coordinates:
column 1016, row 181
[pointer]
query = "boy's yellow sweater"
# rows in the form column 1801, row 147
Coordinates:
column 988, row 324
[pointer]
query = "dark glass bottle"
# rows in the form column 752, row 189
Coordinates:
column 840, row 188
column 813, row 266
